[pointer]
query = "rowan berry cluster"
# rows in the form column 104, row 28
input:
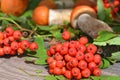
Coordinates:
column 11, row 42
column 114, row 5
column 74, row 59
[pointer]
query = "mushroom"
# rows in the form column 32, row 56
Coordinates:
column 84, row 18
column 42, row 15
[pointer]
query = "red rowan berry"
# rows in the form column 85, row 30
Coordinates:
column 50, row 60
column 72, row 51
column 83, row 40
column 33, row 46
column 11, row 38
column 68, row 74
column 53, row 64
column 17, row 34
column 63, row 70
column 67, row 57
column 97, row 58
column 80, row 55
column 82, row 64
column 72, row 44
column 13, row 52
column 97, row 72
column 68, row 66
column 92, row 48
column 81, row 48
column 14, row 45
column 57, row 71
column 66, row 35
column 58, row 56
column 86, row 73
column 20, row 51
column 66, row 44
column 75, row 71
column 78, row 77
column 51, row 71
column 59, row 64
column 1, row 52
column 7, row 42
column 116, row 3
column 1, row 35
column 9, row 31
column 7, row 49
column 92, row 66
column 89, row 57
column 48, row 53
column 25, row 44
column 52, row 50
column 73, row 62
column 58, row 47
column 64, row 50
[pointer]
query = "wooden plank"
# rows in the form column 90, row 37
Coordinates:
column 9, row 69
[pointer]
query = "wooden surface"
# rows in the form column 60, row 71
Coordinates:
column 9, row 69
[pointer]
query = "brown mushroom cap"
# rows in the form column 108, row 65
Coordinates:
column 41, row 15
column 80, row 10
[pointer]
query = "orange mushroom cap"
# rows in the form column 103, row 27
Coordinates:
column 80, row 10
column 41, row 15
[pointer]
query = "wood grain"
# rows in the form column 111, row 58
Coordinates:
column 9, row 69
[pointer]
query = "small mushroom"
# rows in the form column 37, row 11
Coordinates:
column 84, row 18
column 42, row 15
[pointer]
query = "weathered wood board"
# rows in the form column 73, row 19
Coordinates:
column 9, row 69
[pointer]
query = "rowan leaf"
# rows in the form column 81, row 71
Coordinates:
column 114, row 41
column 105, row 77
column 106, row 63
column 50, row 77
column 115, row 56
column 61, row 77
column 101, row 11
column 104, row 36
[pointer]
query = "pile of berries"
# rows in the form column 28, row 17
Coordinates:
column 75, row 59
column 115, row 5
column 11, row 42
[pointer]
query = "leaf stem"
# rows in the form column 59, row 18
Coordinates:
column 39, row 75
column 3, row 18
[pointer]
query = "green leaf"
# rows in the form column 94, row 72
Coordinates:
column 106, row 63
column 57, row 34
column 50, row 77
column 108, row 15
column 105, row 77
column 38, row 71
column 33, row 4
column 101, row 11
column 41, row 53
column 29, row 59
column 45, row 28
column 41, row 60
column 104, row 36
column 116, row 29
column 2, row 14
column 13, row 17
column 26, row 14
column 114, row 41
column 55, row 27
column 102, row 65
column 100, row 43
column 115, row 56
column 61, row 77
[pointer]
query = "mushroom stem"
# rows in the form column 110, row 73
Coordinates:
column 59, row 16
column 91, row 26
